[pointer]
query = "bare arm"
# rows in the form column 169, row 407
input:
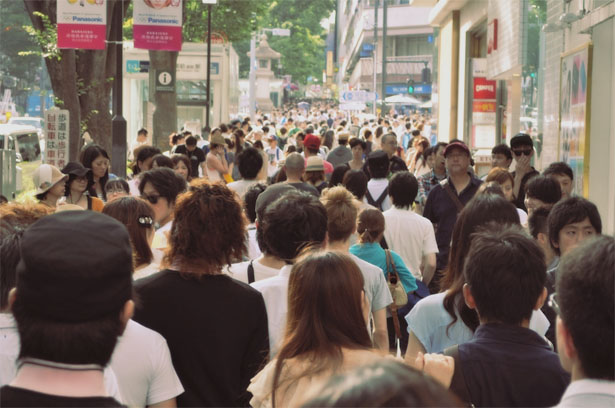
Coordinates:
column 217, row 162
column 170, row 403
column 381, row 334
column 414, row 348
column 429, row 267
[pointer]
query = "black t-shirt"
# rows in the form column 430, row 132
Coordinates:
column 196, row 158
column 520, row 200
column 20, row 397
column 216, row 329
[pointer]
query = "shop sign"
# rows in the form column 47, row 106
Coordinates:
column 158, row 24
column 82, row 24
column 484, row 88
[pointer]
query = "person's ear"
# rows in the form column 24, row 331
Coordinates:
column 11, row 299
column 565, row 343
column 467, row 295
column 541, row 299
column 542, row 239
column 126, row 314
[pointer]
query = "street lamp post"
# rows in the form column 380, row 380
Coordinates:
column 208, row 80
column 118, row 123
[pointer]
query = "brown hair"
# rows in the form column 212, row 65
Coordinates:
column 371, row 226
column 178, row 157
column 314, row 177
column 138, row 217
column 499, row 175
column 17, row 215
column 208, row 229
column 324, row 313
column 342, row 212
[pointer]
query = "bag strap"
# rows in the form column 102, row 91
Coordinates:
column 447, row 187
column 391, row 267
column 251, row 272
column 391, row 271
column 377, row 203
column 458, row 383
column 89, row 202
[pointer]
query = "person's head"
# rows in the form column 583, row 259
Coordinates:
column 342, row 209
column 440, row 160
column 571, row 222
column 161, row 160
column 116, row 188
column 370, row 226
column 504, row 274
column 563, row 174
column 358, row 147
column 584, row 303
column 160, row 187
column 504, row 178
column 182, row 166
column 314, row 170
column 342, row 137
column 457, row 156
column 96, row 158
column 191, row 142
column 522, row 147
column 541, row 191
column 291, row 222
column 327, row 311
column 78, row 181
column 386, row 383
column 355, row 181
column 501, row 156
column 337, row 177
column 403, row 188
column 48, row 181
column 144, row 158
column 74, row 288
column 208, row 229
column 249, row 200
column 378, row 164
column 367, row 134
column 15, row 218
column 138, row 217
column 389, row 144
column 311, row 143
column 142, row 135
column 294, row 166
column 249, row 162
column 539, row 229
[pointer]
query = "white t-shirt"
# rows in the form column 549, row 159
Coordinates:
column 274, row 155
column 375, row 286
column 160, row 236
column 254, row 251
column 241, row 187
column 411, row 236
column 143, row 366
column 376, row 188
column 239, row 271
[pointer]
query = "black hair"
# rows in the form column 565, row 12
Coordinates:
column 191, row 141
column 142, row 131
column 144, row 153
column 88, row 155
column 249, row 163
column 403, row 188
column 163, row 161
column 355, row 141
column 584, row 290
column 3, row 199
column 118, row 182
column 569, row 211
column 328, row 139
column 385, row 383
column 10, row 240
column 337, row 177
column 543, row 188
column 428, row 152
column 416, row 132
column 166, row 182
column 438, row 145
column 558, row 168
column 249, row 200
column 502, row 149
column 506, row 272
column 292, row 221
column 73, row 177
column 537, row 222
column 378, row 164
column 355, row 181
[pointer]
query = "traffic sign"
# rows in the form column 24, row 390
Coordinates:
column 358, row 96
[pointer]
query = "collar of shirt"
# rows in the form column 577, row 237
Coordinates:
column 7, row 321
column 474, row 182
column 554, row 264
column 589, row 386
column 435, row 179
column 509, row 333
column 285, row 271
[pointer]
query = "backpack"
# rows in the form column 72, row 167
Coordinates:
column 377, row 203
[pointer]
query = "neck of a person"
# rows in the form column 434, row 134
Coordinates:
column 271, row 261
column 76, row 196
column 50, row 200
column 342, row 246
column 59, row 381
column 439, row 171
column 293, row 178
column 460, row 180
column 577, row 373
column 166, row 220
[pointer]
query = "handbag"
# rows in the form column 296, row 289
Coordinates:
column 400, row 297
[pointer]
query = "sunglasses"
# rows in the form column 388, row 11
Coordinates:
column 520, row 152
column 153, row 199
column 553, row 303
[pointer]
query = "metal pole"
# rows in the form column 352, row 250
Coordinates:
column 118, row 123
column 208, row 81
column 375, row 67
column 252, row 76
column 384, row 54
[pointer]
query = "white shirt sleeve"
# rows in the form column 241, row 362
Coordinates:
column 164, row 383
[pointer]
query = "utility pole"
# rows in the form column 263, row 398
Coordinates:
column 253, row 76
column 118, row 123
column 384, row 53
column 209, row 3
column 375, row 67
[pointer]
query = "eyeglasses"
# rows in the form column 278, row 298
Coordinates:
column 520, row 152
column 553, row 303
column 153, row 199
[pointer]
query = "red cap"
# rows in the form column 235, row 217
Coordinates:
column 311, row 142
column 458, row 145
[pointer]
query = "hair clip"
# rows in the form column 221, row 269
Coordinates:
column 146, row 221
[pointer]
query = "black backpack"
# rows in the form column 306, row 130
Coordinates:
column 377, row 203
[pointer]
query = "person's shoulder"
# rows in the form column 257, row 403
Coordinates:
column 265, row 285
column 146, row 337
column 365, row 266
column 432, row 302
column 153, row 281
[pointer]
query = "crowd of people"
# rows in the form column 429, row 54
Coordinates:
column 307, row 259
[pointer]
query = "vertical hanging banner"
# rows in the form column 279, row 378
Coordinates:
column 82, row 24
column 158, row 24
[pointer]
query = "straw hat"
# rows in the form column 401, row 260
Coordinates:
column 46, row 176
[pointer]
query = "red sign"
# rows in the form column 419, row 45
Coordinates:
column 484, row 89
column 492, row 36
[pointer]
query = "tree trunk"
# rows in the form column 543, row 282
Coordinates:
column 165, row 111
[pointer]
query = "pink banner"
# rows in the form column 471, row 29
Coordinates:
column 82, row 24
column 81, row 36
column 167, row 38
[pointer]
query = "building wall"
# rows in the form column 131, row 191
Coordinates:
column 507, row 59
column 448, row 77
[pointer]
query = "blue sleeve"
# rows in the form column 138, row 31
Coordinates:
column 406, row 277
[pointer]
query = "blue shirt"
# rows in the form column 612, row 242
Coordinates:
column 511, row 366
column 375, row 255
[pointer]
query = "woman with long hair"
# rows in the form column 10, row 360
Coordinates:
column 215, row 326
column 326, row 331
column 444, row 320
column 182, row 166
column 96, row 159
column 138, row 217
column 144, row 158
column 506, row 181
column 78, row 186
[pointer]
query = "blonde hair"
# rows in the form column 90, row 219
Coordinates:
column 342, row 209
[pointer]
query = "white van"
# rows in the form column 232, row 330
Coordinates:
column 22, row 139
